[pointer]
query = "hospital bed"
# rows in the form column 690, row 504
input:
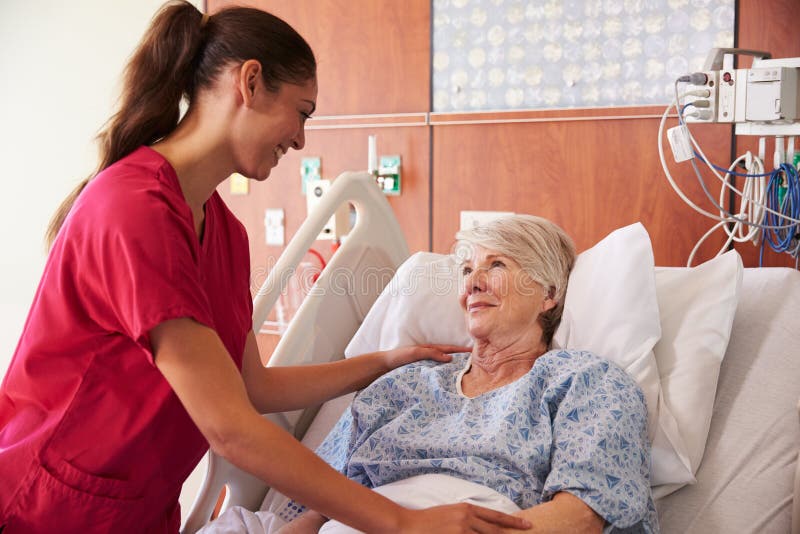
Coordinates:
column 749, row 477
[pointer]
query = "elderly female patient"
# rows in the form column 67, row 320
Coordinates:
column 559, row 435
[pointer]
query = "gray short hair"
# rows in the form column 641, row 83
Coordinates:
column 543, row 250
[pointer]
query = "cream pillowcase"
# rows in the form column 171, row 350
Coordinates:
column 611, row 309
column 696, row 307
column 420, row 305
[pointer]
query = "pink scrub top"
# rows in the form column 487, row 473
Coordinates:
column 92, row 437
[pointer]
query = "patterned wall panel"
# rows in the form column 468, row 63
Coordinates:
column 528, row 54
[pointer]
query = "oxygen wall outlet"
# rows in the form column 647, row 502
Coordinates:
column 310, row 170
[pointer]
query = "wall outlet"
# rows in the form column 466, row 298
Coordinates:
column 274, row 227
column 471, row 219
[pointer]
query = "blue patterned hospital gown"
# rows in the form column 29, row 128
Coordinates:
column 574, row 423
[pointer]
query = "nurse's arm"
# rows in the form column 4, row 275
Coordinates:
column 197, row 366
column 280, row 389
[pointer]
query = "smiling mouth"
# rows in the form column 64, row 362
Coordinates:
column 479, row 306
column 279, row 152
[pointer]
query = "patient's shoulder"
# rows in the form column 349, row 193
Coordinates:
column 593, row 370
column 571, row 360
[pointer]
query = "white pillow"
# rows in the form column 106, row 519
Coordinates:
column 696, row 307
column 420, row 305
column 610, row 309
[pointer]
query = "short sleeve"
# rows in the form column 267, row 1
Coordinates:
column 137, row 261
column 601, row 454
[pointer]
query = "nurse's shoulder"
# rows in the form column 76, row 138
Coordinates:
column 138, row 193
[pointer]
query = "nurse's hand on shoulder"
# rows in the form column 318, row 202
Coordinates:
column 403, row 355
column 460, row 518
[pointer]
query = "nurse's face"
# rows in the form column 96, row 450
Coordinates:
column 272, row 123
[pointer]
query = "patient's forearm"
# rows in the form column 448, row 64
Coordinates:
column 308, row 523
column 565, row 513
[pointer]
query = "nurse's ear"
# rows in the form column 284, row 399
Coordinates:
column 248, row 81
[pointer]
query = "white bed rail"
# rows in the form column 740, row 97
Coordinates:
column 324, row 323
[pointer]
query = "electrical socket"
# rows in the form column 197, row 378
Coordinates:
column 273, row 226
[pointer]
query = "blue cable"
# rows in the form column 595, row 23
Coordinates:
column 781, row 239
column 723, row 169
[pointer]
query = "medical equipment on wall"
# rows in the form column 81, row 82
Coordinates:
column 763, row 101
column 386, row 173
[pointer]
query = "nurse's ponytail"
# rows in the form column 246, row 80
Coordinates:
column 183, row 52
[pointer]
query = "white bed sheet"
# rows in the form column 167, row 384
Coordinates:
column 745, row 482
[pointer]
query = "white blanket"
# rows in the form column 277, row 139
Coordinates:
column 424, row 491
column 417, row 492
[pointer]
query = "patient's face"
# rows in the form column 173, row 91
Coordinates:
column 499, row 298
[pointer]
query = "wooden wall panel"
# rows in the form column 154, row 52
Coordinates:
column 373, row 56
column 339, row 151
column 589, row 176
column 596, row 175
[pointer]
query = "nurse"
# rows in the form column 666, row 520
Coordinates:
column 138, row 351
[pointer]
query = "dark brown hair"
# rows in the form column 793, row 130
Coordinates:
column 181, row 53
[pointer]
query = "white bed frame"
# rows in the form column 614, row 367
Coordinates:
column 759, row 382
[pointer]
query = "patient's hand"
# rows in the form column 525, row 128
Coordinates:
column 564, row 513
column 404, row 355
column 308, row 523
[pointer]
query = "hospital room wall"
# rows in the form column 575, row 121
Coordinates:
column 374, row 79
column 591, row 170
column 60, row 63
column 591, row 173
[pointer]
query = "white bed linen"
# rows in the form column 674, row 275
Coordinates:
column 417, row 492
column 745, row 481
column 424, row 491
column 239, row 520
